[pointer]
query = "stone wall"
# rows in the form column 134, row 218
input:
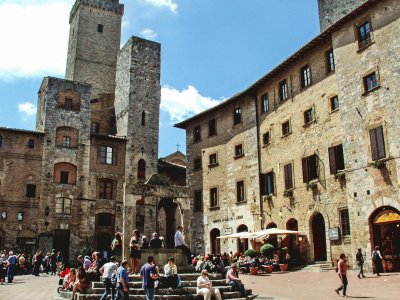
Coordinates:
column 331, row 11
column 92, row 55
column 19, row 167
column 370, row 188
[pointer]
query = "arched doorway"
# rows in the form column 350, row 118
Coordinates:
column 272, row 239
column 384, row 225
column 242, row 244
column 141, row 173
column 292, row 224
column 104, row 231
column 26, row 241
column 170, row 222
column 215, row 242
column 319, row 237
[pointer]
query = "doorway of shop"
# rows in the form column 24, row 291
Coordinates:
column 242, row 244
column 319, row 237
column 215, row 241
column 384, row 225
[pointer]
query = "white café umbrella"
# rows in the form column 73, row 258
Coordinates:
column 238, row 235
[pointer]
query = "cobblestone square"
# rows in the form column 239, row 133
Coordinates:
column 278, row 286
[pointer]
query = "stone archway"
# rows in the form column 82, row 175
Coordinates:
column 318, row 235
column 242, row 244
column 170, row 222
column 292, row 224
column 215, row 241
column 384, row 224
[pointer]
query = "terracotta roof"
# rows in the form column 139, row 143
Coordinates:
column 299, row 53
column 105, row 135
column 22, row 130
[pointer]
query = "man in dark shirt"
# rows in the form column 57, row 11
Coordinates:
column 155, row 242
column 149, row 273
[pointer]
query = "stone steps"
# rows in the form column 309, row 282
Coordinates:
column 137, row 284
column 186, row 292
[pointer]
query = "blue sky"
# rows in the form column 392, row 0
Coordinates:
column 210, row 50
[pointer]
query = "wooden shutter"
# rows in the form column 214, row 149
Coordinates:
column 263, row 181
column 332, row 160
column 380, row 141
column 306, row 173
column 374, row 147
column 288, row 176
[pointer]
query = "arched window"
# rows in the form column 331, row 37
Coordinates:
column 143, row 118
column 65, row 173
column 141, row 175
column 215, row 242
column 242, row 244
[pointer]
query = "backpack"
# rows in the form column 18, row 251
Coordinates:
column 375, row 256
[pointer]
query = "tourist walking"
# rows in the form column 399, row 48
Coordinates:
column 149, row 274
column 53, row 262
column 3, row 268
column 342, row 272
column 134, row 245
column 123, row 281
column 377, row 260
column 180, row 243
column 107, row 270
column 205, row 288
column 37, row 260
column 12, row 262
column 360, row 263
column 232, row 279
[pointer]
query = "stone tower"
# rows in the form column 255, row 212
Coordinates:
column 137, row 105
column 331, row 11
column 94, row 42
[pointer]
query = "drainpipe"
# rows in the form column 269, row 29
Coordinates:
column 259, row 161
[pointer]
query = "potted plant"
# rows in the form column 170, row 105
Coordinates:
column 341, row 177
column 268, row 197
column 268, row 251
column 288, row 193
column 378, row 164
column 312, row 186
column 250, row 252
column 283, row 259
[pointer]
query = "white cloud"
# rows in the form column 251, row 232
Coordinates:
column 35, row 42
column 149, row 34
column 183, row 104
column 170, row 4
column 27, row 110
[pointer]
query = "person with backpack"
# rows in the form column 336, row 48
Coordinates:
column 342, row 273
column 107, row 270
column 360, row 263
column 377, row 260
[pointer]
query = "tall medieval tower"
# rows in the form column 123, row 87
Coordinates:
column 94, row 42
column 137, row 105
column 331, row 11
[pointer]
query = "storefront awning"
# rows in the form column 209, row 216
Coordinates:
column 261, row 234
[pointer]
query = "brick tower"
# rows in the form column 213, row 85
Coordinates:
column 331, row 11
column 94, row 42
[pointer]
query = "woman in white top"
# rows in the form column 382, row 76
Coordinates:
column 171, row 274
column 205, row 289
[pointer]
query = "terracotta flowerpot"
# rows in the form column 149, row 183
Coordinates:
column 268, row 269
column 253, row 271
column 284, row 267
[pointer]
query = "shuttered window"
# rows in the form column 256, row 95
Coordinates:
column 377, row 143
column 310, row 168
column 336, row 158
column 288, row 176
column 267, row 183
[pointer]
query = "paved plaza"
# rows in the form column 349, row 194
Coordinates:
column 278, row 286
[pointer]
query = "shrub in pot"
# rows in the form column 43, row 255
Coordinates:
column 267, row 250
column 250, row 252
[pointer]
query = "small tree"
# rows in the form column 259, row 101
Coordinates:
column 250, row 252
column 267, row 250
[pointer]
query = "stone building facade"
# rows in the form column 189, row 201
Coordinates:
column 320, row 146
column 91, row 168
